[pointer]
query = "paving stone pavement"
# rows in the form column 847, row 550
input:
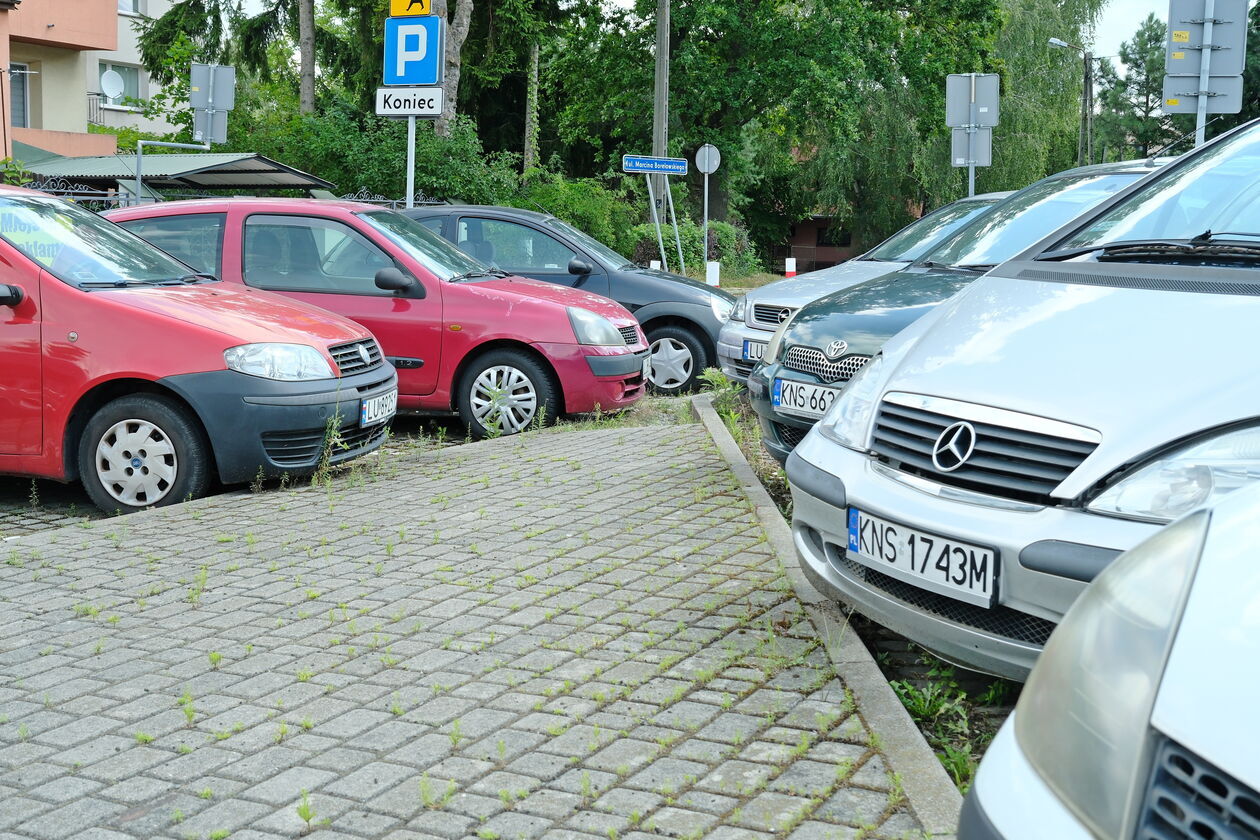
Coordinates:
column 572, row 634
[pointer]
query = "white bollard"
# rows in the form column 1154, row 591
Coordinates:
column 654, row 264
column 712, row 273
column 789, row 267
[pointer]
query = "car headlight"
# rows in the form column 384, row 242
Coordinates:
column 737, row 311
column 721, row 307
column 287, row 362
column 1190, row 477
column 849, row 417
column 1084, row 715
column 590, row 328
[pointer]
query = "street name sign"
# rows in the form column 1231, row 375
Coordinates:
column 409, row 102
column 414, row 50
column 646, row 165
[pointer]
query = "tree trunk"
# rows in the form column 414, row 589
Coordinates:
column 456, row 32
column 306, row 54
column 531, row 109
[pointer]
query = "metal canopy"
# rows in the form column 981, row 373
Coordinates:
column 209, row 171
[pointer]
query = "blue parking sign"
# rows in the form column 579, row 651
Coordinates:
column 414, row 49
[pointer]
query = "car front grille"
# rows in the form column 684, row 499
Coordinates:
column 356, row 356
column 770, row 315
column 811, row 360
column 997, row 621
column 1189, row 799
column 789, row 436
column 303, row 448
column 743, row 368
column 1007, row 461
column 629, row 334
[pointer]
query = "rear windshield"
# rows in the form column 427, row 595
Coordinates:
column 1217, row 190
column 915, row 239
column 81, row 248
column 1027, row 216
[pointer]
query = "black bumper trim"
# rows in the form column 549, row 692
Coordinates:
column 623, row 365
column 341, row 395
column 816, row 482
column 1076, row 561
column 973, row 822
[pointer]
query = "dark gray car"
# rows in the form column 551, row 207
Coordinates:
column 680, row 317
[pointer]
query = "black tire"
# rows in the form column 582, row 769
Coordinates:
column 683, row 375
column 507, row 374
column 179, row 474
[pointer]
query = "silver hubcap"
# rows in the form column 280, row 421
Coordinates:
column 136, row 463
column 671, row 363
column 503, row 394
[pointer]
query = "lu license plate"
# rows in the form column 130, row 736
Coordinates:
column 942, row 565
column 378, row 409
column 754, row 350
column 802, row 398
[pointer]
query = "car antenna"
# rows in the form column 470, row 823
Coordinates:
column 540, row 207
column 1150, row 159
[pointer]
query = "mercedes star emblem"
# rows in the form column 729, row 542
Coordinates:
column 954, row 446
column 836, row 349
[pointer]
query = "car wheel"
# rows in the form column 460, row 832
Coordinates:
column 505, row 392
column 143, row 451
column 678, row 358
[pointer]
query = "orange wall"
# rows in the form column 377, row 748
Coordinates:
column 68, row 143
column 73, row 24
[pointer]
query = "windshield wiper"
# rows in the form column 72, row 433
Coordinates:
column 113, row 284
column 976, row 266
column 480, row 272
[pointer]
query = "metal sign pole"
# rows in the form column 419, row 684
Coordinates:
column 660, row 241
column 971, row 140
column 704, row 234
column 411, row 162
column 1205, row 73
column 669, row 194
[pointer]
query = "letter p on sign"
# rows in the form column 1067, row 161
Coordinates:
column 414, row 48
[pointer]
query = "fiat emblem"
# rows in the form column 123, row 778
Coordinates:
column 836, row 349
column 954, row 446
column 365, row 355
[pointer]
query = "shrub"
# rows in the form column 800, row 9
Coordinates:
column 727, row 244
column 606, row 214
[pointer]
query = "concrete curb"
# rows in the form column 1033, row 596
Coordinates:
column 931, row 793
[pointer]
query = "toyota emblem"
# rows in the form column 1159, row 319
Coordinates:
column 836, row 349
column 954, row 446
column 365, row 355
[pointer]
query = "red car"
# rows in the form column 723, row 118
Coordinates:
column 124, row 369
column 504, row 352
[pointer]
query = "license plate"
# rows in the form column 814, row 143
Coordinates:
column 754, row 350
column 940, row 564
column 378, row 409
column 802, row 398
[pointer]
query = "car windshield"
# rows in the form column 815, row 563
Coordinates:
column 1216, row 190
column 442, row 259
column 81, row 248
column 591, row 244
column 917, row 238
column 1025, row 217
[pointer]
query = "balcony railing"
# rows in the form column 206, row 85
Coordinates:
column 94, row 102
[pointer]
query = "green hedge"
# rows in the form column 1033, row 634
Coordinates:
column 727, row 244
column 608, row 215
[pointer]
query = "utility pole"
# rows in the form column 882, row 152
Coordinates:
column 660, row 97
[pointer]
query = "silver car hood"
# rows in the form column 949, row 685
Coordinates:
column 806, row 288
column 1142, row 367
column 1207, row 697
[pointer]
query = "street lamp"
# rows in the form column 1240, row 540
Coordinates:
column 1085, row 142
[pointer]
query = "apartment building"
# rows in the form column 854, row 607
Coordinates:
column 124, row 60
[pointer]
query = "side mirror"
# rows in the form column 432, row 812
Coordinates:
column 393, row 280
column 580, row 267
column 11, row 295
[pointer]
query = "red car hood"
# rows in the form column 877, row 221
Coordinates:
column 562, row 295
column 244, row 315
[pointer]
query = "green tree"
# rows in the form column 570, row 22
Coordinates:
column 1130, row 121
